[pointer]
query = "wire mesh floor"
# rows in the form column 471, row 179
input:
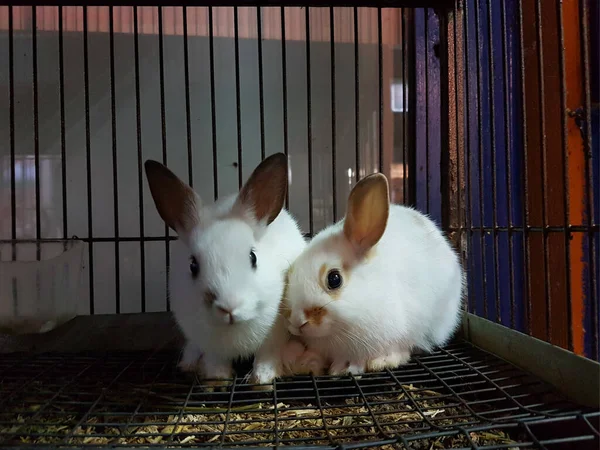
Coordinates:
column 457, row 397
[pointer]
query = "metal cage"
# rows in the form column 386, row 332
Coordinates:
column 482, row 113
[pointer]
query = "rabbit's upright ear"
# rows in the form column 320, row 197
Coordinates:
column 262, row 197
column 367, row 213
column 176, row 202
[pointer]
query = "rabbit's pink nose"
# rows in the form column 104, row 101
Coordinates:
column 227, row 313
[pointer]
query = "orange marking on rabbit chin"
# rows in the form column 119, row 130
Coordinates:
column 315, row 315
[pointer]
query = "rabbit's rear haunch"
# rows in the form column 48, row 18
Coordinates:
column 371, row 288
column 228, row 268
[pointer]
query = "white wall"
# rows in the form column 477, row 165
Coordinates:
column 101, row 145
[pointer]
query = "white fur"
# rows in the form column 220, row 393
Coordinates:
column 221, row 244
column 405, row 293
column 298, row 360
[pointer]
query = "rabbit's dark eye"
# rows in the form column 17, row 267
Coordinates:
column 253, row 259
column 334, row 279
column 194, row 267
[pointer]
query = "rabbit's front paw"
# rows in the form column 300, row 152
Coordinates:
column 216, row 374
column 263, row 375
column 298, row 360
column 310, row 362
column 339, row 368
column 390, row 361
column 190, row 360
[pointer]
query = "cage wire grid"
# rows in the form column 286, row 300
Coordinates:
column 456, row 397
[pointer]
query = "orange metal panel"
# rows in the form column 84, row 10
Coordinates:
column 576, row 183
column 534, row 179
column 554, row 182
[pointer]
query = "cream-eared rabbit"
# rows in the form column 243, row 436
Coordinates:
column 228, row 268
column 376, row 285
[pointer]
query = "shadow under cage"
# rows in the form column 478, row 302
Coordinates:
column 482, row 114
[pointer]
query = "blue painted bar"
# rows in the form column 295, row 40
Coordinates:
column 518, row 282
column 500, row 111
column 515, row 142
column 476, row 269
column 485, row 155
column 472, row 114
column 421, row 110
column 502, row 250
column 434, row 131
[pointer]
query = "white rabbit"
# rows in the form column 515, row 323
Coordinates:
column 376, row 285
column 228, row 269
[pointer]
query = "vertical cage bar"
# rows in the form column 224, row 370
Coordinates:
column 518, row 169
column 426, row 80
column 188, row 113
column 163, row 124
column 480, row 88
column 86, row 84
column 449, row 127
column 404, row 104
column 140, row 156
column 410, row 119
column 63, row 143
column 470, row 147
column 492, row 105
column 284, row 95
column 508, row 134
column 309, row 121
column 501, row 205
column 565, row 168
column 459, row 114
column 333, row 115
column 114, row 159
column 213, row 101
column 275, row 415
column 543, row 157
column 448, row 157
column 525, row 177
column 487, row 163
column 261, row 93
column 238, row 101
column 356, row 95
column 589, row 175
column 571, row 44
column 36, row 130
column 11, row 88
column 534, row 178
column 556, row 184
column 421, row 107
column 380, row 67
column 435, row 125
column 407, row 192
